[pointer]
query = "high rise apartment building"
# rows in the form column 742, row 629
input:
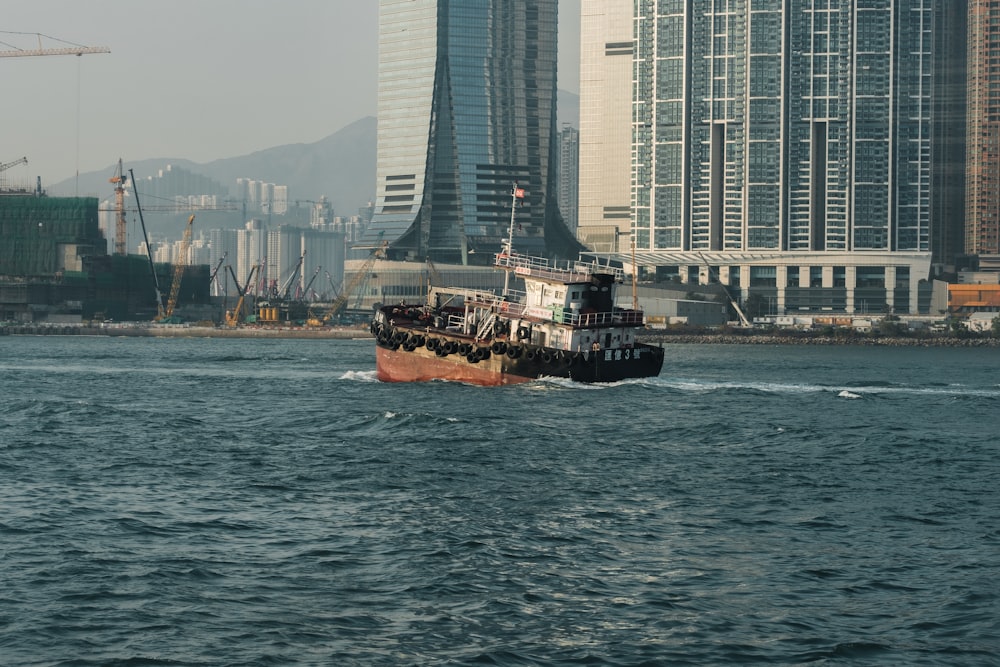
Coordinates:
column 781, row 147
column 466, row 108
column 982, row 212
column 777, row 125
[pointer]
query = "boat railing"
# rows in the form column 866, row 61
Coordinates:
column 509, row 307
column 616, row 317
column 485, row 326
column 540, row 267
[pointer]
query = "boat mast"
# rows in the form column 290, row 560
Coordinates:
column 508, row 244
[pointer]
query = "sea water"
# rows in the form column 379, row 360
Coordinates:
column 268, row 502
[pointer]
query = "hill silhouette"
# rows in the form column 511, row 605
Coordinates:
column 340, row 167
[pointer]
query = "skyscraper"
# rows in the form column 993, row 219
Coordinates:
column 784, row 125
column 568, row 174
column 606, row 50
column 466, row 107
column 982, row 212
column 783, row 146
column 948, row 122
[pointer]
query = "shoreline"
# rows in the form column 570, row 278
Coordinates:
column 660, row 338
column 651, row 336
column 182, row 331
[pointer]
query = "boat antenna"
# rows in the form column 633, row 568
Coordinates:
column 508, row 244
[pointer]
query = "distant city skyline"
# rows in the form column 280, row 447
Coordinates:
column 192, row 80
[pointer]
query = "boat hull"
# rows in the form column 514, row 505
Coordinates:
column 398, row 364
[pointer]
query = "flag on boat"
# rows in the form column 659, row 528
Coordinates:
column 519, row 192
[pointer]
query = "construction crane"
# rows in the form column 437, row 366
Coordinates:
column 345, row 294
column 305, row 290
column 149, row 252
column 70, row 50
column 433, row 277
column 179, row 266
column 214, row 276
column 118, row 179
column 736, row 306
column 285, row 291
column 233, row 317
column 7, row 165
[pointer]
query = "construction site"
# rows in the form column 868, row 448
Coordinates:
column 55, row 266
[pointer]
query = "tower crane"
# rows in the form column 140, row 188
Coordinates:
column 70, row 50
column 118, row 179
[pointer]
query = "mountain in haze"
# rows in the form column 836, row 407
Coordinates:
column 340, row 167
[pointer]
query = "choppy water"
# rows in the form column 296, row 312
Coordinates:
column 238, row 502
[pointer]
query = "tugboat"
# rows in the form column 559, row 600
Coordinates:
column 565, row 324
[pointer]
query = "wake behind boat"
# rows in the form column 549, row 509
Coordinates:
column 564, row 324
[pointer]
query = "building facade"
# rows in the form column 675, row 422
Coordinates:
column 982, row 211
column 606, row 53
column 568, row 175
column 466, row 108
column 948, row 123
column 782, row 147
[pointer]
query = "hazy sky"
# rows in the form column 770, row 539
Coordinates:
column 194, row 79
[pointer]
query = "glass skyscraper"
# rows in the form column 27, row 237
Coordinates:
column 466, row 107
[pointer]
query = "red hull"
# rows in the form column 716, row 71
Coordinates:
column 422, row 365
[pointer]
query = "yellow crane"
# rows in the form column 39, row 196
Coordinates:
column 234, row 317
column 345, row 293
column 179, row 267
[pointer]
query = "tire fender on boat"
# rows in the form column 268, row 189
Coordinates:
column 523, row 332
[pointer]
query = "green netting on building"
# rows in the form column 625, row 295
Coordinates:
column 37, row 232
